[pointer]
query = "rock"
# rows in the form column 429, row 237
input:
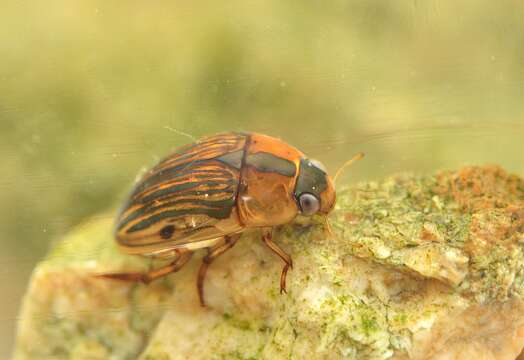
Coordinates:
column 417, row 267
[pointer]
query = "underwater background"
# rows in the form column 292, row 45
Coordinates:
column 92, row 92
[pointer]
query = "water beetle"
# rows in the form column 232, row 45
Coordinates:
column 206, row 194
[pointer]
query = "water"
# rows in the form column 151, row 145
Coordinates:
column 92, row 92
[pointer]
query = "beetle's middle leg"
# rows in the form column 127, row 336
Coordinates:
column 267, row 237
column 181, row 259
column 213, row 253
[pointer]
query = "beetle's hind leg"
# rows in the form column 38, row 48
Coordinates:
column 181, row 259
column 267, row 237
column 213, row 253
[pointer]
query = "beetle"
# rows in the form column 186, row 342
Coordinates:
column 205, row 194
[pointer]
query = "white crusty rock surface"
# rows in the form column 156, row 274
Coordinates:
column 418, row 267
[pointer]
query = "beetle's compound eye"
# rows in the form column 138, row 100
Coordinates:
column 309, row 204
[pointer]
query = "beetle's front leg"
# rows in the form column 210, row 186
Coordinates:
column 267, row 237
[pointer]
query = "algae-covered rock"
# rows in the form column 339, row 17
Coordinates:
column 417, row 267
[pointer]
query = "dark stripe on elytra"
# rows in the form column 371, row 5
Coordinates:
column 192, row 194
column 219, row 213
column 182, row 190
column 197, row 165
column 267, row 162
column 203, row 204
column 201, row 177
column 179, row 171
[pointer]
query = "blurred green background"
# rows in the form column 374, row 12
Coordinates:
column 93, row 91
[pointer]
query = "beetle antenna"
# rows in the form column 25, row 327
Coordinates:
column 180, row 132
column 328, row 227
column 357, row 157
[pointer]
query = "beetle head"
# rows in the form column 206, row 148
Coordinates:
column 314, row 190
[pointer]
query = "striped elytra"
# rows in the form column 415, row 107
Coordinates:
column 205, row 194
